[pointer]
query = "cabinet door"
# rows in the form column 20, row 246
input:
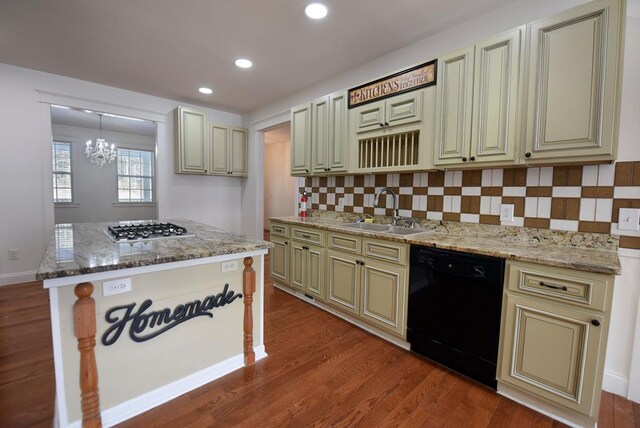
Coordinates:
column 552, row 351
column 369, row 116
column 343, row 282
column 320, row 135
column 219, row 153
column 338, row 137
column 404, row 108
column 384, row 291
column 454, row 93
column 238, row 152
column 298, row 273
column 192, row 139
column 496, row 88
column 301, row 140
column 573, row 84
column 279, row 260
column 315, row 268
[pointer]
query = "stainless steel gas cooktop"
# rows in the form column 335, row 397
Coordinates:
column 143, row 231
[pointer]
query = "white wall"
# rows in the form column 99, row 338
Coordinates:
column 26, row 212
column 279, row 186
column 621, row 355
column 95, row 191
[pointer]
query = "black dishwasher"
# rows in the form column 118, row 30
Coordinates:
column 454, row 310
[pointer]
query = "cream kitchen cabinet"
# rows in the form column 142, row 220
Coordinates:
column 191, row 141
column 385, row 114
column 361, row 283
column 554, row 334
column 308, row 262
column 205, row 148
column 228, row 153
column 329, row 123
column 301, row 140
column 574, row 84
column 477, row 103
column 279, row 255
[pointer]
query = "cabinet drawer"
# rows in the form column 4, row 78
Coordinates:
column 385, row 250
column 308, row 235
column 279, row 230
column 347, row 243
column 580, row 288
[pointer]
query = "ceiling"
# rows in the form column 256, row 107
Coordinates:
column 169, row 48
column 87, row 119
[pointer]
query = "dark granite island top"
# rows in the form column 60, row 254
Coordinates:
column 84, row 248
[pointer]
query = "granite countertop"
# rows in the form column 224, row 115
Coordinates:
column 82, row 248
column 590, row 252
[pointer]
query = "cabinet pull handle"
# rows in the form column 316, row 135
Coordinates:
column 464, row 159
column 381, row 124
column 306, row 236
column 527, row 155
column 306, row 170
column 386, row 124
column 472, row 158
column 555, row 287
column 305, row 248
column 358, row 262
column 286, row 243
column 595, row 323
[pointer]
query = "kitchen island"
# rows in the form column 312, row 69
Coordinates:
column 138, row 322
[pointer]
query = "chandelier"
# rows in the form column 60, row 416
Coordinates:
column 101, row 153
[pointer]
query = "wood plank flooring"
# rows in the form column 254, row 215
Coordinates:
column 321, row 371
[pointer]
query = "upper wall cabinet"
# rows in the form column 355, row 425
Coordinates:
column 319, row 136
column 301, row 140
column 574, row 84
column 191, row 140
column 329, row 134
column 381, row 115
column 228, row 154
column 477, row 100
column 205, row 148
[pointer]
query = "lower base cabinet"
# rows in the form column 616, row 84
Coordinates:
column 279, row 259
column 373, row 290
column 554, row 334
column 307, row 269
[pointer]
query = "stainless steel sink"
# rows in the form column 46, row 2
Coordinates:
column 383, row 228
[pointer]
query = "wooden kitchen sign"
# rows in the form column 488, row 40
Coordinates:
column 404, row 81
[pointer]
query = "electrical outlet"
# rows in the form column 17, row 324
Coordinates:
column 117, row 286
column 14, row 254
column 229, row 266
column 506, row 213
column 628, row 219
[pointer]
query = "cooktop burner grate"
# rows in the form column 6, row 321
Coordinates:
column 139, row 231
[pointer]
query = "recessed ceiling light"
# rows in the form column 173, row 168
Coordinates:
column 243, row 63
column 316, row 10
column 206, row 91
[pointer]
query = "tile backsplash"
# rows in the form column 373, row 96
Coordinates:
column 572, row 198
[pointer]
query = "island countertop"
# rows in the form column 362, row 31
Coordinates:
column 582, row 251
column 84, row 248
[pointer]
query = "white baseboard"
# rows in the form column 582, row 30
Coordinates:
column 615, row 383
column 17, row 277
column 151, row 399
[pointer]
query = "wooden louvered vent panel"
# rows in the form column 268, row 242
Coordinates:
column 398, row 150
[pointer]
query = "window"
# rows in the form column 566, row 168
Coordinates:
column 135, row 176
column 62, row 189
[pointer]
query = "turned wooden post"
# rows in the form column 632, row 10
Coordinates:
column 249, row 287
column 84, row 316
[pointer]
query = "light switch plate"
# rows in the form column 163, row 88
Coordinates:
column 628, row 219
column 506, row 213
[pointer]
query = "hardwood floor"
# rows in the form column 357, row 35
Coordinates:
column 321, row 371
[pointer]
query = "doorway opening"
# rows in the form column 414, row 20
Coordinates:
column 279, row 187
column 117, row 183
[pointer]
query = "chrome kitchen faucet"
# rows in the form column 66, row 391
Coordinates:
column 395, row 217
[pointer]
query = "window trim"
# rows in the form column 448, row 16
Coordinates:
column 152, row 203
column 68, row 204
